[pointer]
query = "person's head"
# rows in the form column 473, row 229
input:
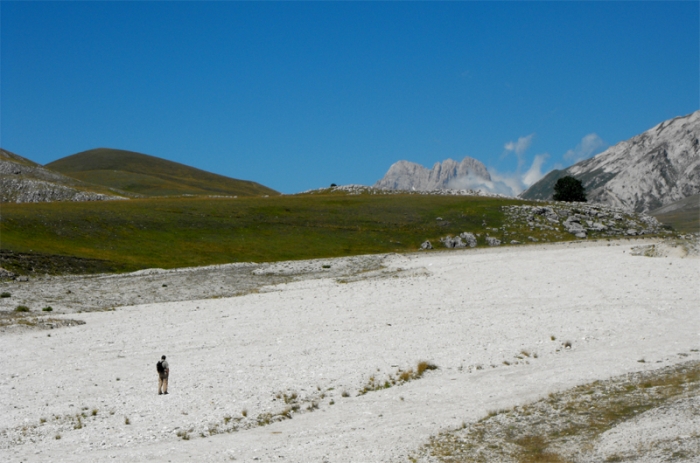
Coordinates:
column 163, row 357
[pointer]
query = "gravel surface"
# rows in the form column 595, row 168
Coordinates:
column 292, row 354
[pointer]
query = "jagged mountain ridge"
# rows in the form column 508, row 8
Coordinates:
column 406, row 175
column 648, row 171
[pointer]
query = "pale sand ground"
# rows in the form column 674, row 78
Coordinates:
column 457, row 309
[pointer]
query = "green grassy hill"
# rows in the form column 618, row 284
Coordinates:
column 179, row 232
column 146, row 175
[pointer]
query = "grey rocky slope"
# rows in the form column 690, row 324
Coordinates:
column 554, row 222
column 650, row 170
column 24, row 181
column 405, row 175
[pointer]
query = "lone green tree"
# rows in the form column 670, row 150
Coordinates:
column 569, row 189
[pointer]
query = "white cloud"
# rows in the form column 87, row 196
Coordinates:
column 472, row 182
column 590, row 145
column 534, row 173
column 519, row 147
column 509, row 184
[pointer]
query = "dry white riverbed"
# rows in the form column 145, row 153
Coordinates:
column 67, row 394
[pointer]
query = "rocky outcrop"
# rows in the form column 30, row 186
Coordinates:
column 27, row 190
column 452, row 242
column 24, row 181
column 581, row 220
column 469, row 238
column 405, row 175
column 658, row 167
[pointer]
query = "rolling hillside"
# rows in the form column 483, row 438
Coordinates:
column 151, row 176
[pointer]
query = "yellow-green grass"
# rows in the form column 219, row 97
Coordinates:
column 142, row 174
column 179, row 232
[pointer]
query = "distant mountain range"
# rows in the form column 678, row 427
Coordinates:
column 648, row 171
column 405, row 175
column 103, row 174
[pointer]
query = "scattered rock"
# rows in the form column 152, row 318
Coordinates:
column 426, row 245
column 582, row 219
column 6, row 274
column 491, row 241
column 451, row 242
column 469, row 238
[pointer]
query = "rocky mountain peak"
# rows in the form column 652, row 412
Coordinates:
column 650, row 170
column 406, row 175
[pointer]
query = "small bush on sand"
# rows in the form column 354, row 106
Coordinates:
column 47, row 309
column 22, row 308
column 5, row 294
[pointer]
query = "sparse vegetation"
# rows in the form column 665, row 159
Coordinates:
column 47, row 309
column 127, row 420
column 22, row 308
column 5, row 294
column 565, row 425
column 400, row 377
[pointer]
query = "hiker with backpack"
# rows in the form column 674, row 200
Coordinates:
column 163, row 372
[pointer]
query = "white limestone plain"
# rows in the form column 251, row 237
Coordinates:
column 305, row 348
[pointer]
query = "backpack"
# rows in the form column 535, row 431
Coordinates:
column 159, row 367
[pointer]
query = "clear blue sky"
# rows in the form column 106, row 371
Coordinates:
column 298, row 95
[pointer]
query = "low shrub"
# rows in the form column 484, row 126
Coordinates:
column 22, row 308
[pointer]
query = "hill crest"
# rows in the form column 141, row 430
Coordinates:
column 148, row 175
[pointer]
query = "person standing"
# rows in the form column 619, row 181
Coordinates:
column 163, row 372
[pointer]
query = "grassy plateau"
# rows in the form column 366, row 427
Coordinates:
column 180, row 232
